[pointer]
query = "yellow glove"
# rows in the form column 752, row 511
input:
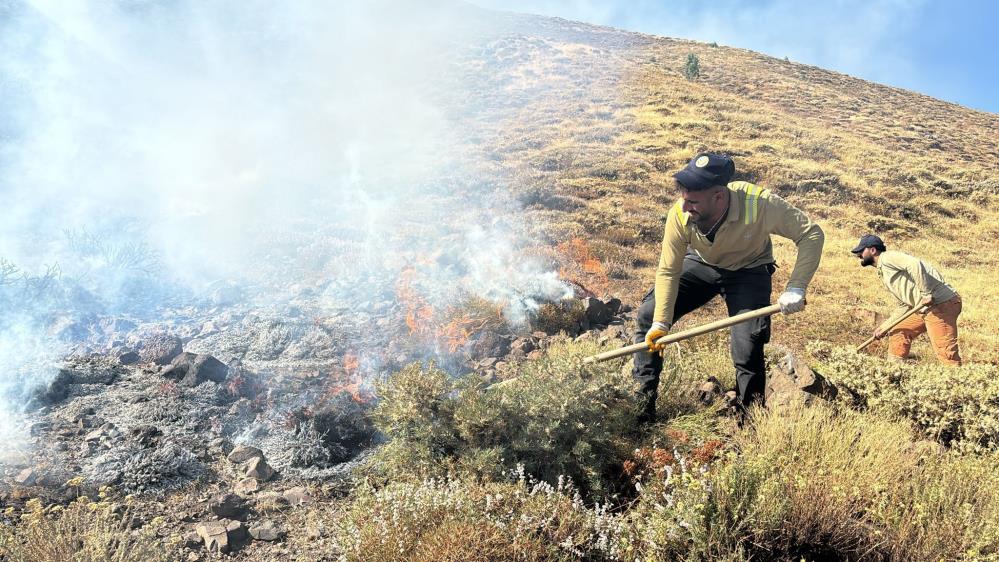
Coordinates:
column 658, row 330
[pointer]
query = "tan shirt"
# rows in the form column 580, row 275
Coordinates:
column 743, row 240
column 909, row 279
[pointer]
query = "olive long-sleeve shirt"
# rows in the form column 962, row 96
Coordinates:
column 743, row 240
column 910, row 279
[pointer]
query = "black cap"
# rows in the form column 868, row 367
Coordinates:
column 869, row 241
column 706, row 170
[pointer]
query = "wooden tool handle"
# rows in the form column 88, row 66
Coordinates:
column 907, row 314
column 686, row 334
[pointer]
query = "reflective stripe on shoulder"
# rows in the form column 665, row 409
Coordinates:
column 678, row 209
column 753, row 193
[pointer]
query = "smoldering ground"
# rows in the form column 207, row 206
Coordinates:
column 161, row 161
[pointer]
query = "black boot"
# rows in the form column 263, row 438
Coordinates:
column 646, row 408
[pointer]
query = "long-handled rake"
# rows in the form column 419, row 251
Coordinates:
column 686, row 334
column 907, row 314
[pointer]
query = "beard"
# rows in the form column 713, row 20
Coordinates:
column 867, row 262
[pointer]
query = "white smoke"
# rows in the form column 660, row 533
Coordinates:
column 153, row 149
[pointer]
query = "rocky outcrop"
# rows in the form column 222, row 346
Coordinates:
column 791, row 380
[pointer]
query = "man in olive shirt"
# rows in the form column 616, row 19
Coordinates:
column 717, row 242
column 912, row 281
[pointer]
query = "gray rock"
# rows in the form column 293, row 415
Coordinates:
column 522, row 346
column 192, row 369
column 128, row 358
column 297, row 496
column 192, row 540
column 160, row 349
column 709, row 391
column 246, row 486
column 243, row 453
column 597, row 312
column 266, row 531
column 215, row 536
column 94, row 435
column 791, row 380
column 236, row 530
column 54, row 392
column 221, row 536
column 228, row 506
column 27, row 477
column 259, row 469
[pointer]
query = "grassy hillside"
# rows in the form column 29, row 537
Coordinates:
column 585, row 126
column 590, row 123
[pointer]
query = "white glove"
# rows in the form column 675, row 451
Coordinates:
column 792, row 300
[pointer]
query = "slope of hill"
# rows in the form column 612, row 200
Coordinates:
column 584, row 126
column 590, row 123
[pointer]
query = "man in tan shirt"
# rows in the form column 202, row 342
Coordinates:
column 912, row 281
column 717, row 242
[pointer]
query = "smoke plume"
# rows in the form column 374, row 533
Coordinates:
column 154, row 151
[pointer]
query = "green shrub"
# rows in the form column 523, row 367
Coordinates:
column 558, row 418
column 83, row 531
column 954, row 405
column 692, row 68
column 697, row 514
column 459, row 520
column 416, row 412
column 817, row 483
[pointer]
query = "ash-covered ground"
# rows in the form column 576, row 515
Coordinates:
column 250, row 217
column 228, row 404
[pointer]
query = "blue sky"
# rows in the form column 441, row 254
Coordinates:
column 947, row 50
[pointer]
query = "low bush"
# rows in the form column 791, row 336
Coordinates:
column 83, row 531
column 556, row 417
column 460, row 520
column 692, row 68
column 818, row 482
column 814, row 483
column 553, row 318
column 956, row 406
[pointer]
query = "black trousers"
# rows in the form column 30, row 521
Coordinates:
column 743, row 290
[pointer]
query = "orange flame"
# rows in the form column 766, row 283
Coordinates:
column 581, row 267
column 350, row 363
column 462, row 327
column 352, row 383
column 453, row 327
column 419, row 314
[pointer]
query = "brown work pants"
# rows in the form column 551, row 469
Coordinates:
column 940, row 323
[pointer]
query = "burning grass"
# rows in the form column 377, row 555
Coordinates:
column 581, row 267
column 452, row 326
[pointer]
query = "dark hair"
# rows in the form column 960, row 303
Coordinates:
column 880, row 247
